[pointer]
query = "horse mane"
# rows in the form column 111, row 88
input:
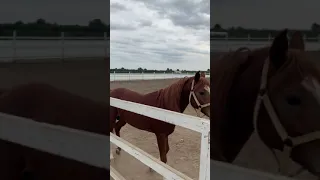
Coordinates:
column 171, row 95
column 223, row 72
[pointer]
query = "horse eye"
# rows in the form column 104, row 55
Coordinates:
column 293, row 100
column 201, row 93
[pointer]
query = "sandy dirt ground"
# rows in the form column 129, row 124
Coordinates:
column 185, row 146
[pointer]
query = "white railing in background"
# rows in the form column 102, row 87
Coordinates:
column 147, row 76
column 229, row 43
column 190, row 122
column 25, row 48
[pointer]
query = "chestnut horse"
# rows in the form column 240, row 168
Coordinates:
column 273, row 91
column 44, row 103
column 193, row 90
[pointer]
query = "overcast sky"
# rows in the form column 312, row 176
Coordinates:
column 276, row 14
column 60, row 11
column 160, row 34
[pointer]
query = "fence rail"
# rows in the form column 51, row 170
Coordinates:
column 148, row 76
column 20, row 47
column 58, row 140
column 220, row 44
column 190, row 122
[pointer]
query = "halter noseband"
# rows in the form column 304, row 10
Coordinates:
column 288, row 141
column 192, row 94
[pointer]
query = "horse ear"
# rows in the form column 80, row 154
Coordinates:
column 197, row 76
column 203, row 74
column 296, row 41
column 279, row 48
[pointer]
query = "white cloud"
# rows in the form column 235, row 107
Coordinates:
column 160, row 34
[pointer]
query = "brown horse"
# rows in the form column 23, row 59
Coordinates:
column 286, row 113
column 193, row 90
column 44, row 103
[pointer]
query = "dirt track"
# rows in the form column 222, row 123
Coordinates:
column 184, row 146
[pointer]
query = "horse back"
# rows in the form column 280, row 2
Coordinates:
column 45, row 103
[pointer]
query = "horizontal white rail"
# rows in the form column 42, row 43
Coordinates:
column 148, row 76
column 190, row 122
column 160, row 167
column 62, row 47
column 115, row 174
column 82, row 146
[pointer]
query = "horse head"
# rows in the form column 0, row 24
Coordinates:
column 199, row 96
column 290, row 94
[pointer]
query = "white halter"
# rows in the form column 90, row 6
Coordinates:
column 199, row 106
column 288, row 141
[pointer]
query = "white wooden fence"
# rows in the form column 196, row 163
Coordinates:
column 28, row 48
column 148, row 76
column 190, row 122
column 226, row 43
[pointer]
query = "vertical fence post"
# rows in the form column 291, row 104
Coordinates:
column 205, row 156
column 106, row 46
column 164, row 75
column 114, row 75
column 129, row 75
column 269, row 37
column 62, row 46
column 14, row 45
column 249, row 39
column 154, row 75
column 227, row 39
column 142, row 75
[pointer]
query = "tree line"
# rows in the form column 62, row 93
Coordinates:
column 144, row 70
column 41, row 27
column 240, row 32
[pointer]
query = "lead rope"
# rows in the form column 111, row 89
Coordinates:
column 261, row 96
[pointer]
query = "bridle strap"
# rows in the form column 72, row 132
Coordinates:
column 192, row 94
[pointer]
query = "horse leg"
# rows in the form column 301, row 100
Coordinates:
column 117, row 128
column 162, row 145
column 112, row 119
column 167, row 146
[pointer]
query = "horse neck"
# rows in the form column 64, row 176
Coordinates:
column 185, row 93
column 172, row 96
column 242, row 95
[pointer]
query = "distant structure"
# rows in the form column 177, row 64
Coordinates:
column 219, row 33
column 177, row 72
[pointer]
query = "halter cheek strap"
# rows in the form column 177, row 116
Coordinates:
column 192, row 94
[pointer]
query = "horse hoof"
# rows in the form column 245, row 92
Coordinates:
column 118, row 151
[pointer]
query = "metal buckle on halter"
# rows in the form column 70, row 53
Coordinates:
column 288, row 142
column 262, row 92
